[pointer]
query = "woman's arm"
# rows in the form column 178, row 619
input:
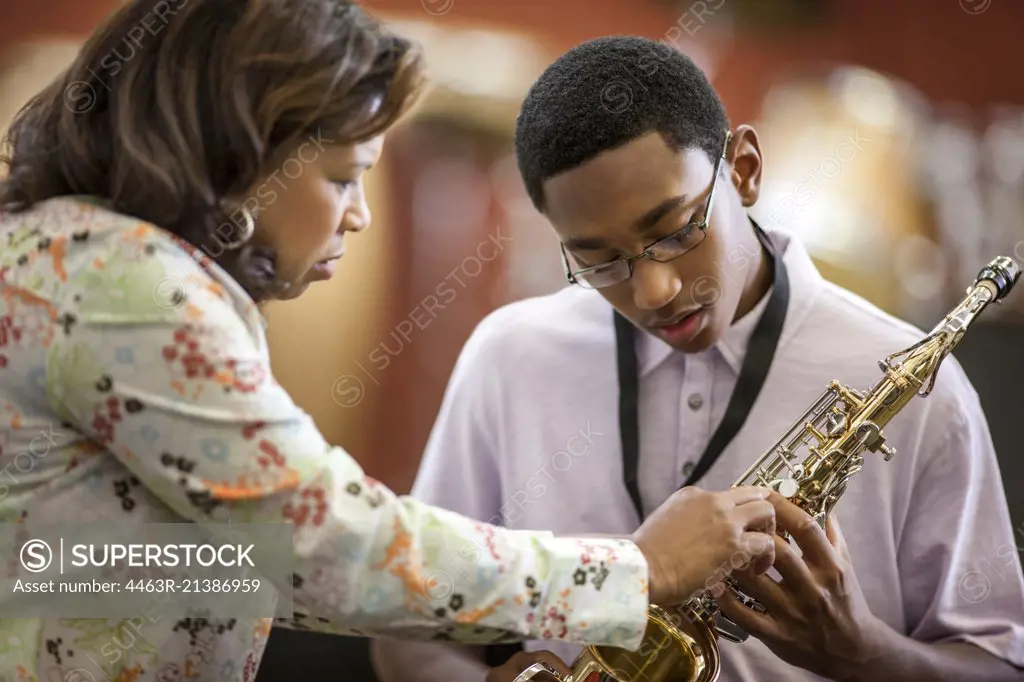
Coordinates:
column 197, row 416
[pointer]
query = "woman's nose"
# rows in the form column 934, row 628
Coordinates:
column 357, row 216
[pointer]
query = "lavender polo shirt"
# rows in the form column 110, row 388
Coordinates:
column 527, row 436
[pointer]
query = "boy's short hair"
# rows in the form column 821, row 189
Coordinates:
column 607, row 92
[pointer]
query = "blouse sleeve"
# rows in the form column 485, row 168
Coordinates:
column 203, row 424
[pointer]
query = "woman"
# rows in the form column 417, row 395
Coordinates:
column 196, row 160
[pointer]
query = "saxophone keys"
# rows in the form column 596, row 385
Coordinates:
column 787, row 487
column 888, row 451
column 729, row 631
column 869, row 433
column 835, row 424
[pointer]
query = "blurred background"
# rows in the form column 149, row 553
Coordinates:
column 894, row 141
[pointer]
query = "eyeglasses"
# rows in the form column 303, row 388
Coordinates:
column 662, row 251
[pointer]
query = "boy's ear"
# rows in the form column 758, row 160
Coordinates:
column 744, row 157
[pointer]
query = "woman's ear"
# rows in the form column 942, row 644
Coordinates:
column 744, row 155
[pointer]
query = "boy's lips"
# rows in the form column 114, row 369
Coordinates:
column 682, row 327
column 671, row 322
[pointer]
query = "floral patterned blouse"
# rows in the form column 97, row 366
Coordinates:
column 145, row 369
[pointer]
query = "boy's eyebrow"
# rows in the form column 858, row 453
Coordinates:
column 585, row 244
column 653, row 216
column 642, row 224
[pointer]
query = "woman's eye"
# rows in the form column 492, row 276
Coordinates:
column 344, row 184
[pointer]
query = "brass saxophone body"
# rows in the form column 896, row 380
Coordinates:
column 811, row 465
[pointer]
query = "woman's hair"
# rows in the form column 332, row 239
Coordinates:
column 175, row 105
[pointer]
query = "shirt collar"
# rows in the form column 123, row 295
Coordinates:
column 805, row 282
column 733, row 344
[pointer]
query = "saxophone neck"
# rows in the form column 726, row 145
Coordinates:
column 921, row 361
column 993, row 283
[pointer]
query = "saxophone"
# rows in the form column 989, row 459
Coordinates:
column 811, row 466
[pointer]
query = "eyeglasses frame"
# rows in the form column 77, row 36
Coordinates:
column 648, row 252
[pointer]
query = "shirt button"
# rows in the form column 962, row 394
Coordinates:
column 688, row 469
column 695, row 401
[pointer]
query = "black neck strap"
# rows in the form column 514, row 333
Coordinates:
column 756, row 363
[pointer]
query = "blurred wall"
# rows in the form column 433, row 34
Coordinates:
column 32, row 19
column 29, row 66
column 37, row 41
column 939, row 46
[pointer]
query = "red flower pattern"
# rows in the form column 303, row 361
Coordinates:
column 271, row 455
column 488, row 532
column 554, row 624
column 105, row 415
column 185, row 352
column 29, row 327
column 249, row 430
column 313, row 503
column 244, row 377
column 250, row 668
column 9, row 334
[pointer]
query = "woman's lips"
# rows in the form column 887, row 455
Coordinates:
column 325, row 268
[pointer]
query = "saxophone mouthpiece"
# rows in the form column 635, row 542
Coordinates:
column 1000, row 275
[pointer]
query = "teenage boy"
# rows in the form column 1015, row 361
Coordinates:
column 689, row 342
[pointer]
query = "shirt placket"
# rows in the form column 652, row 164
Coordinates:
column 695, row 416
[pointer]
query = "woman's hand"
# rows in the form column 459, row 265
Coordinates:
column 697, row 538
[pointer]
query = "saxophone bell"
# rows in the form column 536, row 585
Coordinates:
column 677, row 647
